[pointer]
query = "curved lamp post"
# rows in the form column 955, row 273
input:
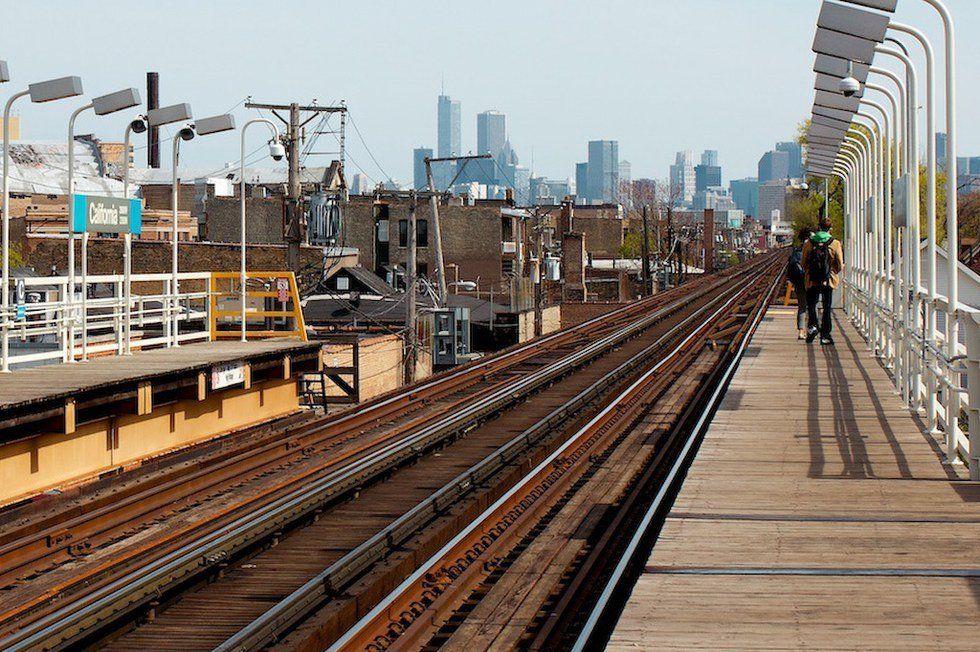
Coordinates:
column 277, row 152
column 47, row 91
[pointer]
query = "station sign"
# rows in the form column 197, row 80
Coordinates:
column 94, row 214
column 227, row 374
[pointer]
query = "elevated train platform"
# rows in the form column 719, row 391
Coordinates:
column 69, row 422
column 816, row 515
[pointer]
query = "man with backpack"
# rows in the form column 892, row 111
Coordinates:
column 823, row 261
column 797, row 276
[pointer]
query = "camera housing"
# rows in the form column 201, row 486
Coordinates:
column 849, row 86
column 277, row 151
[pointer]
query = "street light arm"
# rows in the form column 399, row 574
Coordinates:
column 241, row 174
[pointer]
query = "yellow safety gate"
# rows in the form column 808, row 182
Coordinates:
column 276, row 288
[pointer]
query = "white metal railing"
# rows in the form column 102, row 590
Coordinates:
column 929, row 382
column 54, row 324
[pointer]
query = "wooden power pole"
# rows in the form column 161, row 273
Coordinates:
column 294, row 212
column 436, row 229
column 645, row 250
column 411, row 341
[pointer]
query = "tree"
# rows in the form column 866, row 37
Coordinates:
column 16, row 259
column 969, row 215
column 804, row 207
column 940, row 204
column 632, row 246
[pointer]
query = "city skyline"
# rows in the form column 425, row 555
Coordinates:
column 390, row 92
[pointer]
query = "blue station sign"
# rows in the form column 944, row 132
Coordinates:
column 106, row 215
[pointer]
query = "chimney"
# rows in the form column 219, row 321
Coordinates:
column 153, row 133
column 709, row 240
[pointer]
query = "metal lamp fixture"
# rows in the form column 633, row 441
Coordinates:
column 102, row 105
column 55, row 89
column 203, row 127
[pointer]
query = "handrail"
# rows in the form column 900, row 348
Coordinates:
column 48, row 326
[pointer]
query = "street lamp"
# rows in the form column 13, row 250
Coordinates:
column 277, row 152
column 102, row 105
column 931, row 418
column 48, row 91
column 203, row 127
column 952, row 232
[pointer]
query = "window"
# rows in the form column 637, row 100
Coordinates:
column 343, row 283
column 423, row 269
column 402, row 233
column 421, row 233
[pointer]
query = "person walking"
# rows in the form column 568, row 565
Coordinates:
column 823, row 261
column 797, row 276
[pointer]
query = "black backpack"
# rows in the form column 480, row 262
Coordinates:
column 818, row 264
column 794, row 268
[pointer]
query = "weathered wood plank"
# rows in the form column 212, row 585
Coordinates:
column 816, row 515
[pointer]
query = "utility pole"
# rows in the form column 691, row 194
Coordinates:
column 645, row 249
column 436, row 229
column 410, row 317
column 539, row 281
column 294, row 213
column 672, row 249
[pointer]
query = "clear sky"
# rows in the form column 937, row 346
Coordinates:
column 657, row 75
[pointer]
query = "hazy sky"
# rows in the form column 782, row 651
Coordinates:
column 657, row 75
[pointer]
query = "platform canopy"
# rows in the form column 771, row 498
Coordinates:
column 844, row 44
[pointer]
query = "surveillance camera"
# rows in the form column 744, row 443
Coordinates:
column 138, row 125
column 186, row 133
column 277, row 151
column 849, row 87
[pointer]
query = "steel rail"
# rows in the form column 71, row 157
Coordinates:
column 75, row 620
column 599, row 609
column 36, row 545
column 340, row 574
column 532, row 476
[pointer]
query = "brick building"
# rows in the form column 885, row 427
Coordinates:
column 603, row 225
column 483, row 240
column 265, row 220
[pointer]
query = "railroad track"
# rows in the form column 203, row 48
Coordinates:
column 356, row 450
column 30, row 542
column 525, row 573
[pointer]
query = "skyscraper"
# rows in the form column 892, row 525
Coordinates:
column 491, row 138
column 745, row 194
column 682, row 178
column 448, row 140
column 772, row 198
column 603, row 172
column 419, row 155
column 773, row 166
column 582, row 183
column 941, row 149
column 491, row 132
column 449, row 127
column 708, row 174
column 795, row 163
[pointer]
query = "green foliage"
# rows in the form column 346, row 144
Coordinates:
column 632, row 246
column 804, row 207
column 940, row 204
column 801, row 131
column 16, row 259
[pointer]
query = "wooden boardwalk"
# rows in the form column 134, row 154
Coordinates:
column 816, row 515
